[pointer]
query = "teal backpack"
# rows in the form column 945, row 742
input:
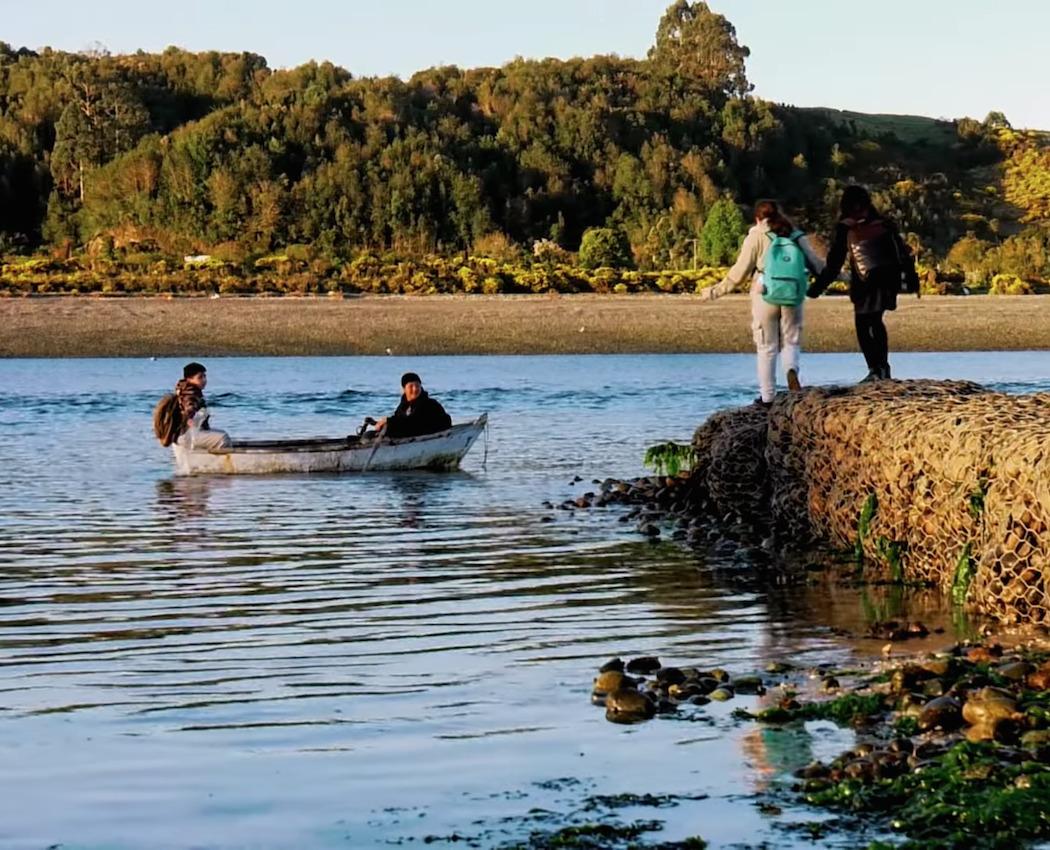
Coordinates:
column 784, row 278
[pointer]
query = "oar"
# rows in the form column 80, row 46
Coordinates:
column 379, row 438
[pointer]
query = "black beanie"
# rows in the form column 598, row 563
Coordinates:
column 409, row 377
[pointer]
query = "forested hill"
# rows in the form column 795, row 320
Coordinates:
column 217, row 153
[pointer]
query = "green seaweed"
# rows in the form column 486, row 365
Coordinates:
column 965, row 568
column 595, row 836
column 906, row 725
column 669, row 458
column 843, row 710
column 889, row 606
column 867, row 514
column 967, row 799
column 621, row 801
column 892, row 552
column 974, row 795
column 977, row 497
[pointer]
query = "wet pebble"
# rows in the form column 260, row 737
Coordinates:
column 670, row 676
column 643, row 665
column 748, row 685
column 626, row 705
column 1015, row 671
column 941, row 713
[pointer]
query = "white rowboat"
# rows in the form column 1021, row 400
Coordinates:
column 443, row 450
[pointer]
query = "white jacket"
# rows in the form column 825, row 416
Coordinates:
column 750, row 263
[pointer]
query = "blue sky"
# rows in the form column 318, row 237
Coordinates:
column 943, row 58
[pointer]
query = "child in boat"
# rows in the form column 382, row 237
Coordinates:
column 196, row 433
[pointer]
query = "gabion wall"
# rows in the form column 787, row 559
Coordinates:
column 943, row 482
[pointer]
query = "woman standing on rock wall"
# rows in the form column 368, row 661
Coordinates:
column 777, row 327
column 881, row 265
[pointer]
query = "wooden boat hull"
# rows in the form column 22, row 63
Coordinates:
column 443, row 450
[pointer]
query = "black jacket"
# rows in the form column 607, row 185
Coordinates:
column 424, row 416
column 879, row 291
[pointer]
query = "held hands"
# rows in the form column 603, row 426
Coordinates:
column 710, row 293
column 380, row 424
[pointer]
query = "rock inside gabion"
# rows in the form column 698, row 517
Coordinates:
column 941, row 482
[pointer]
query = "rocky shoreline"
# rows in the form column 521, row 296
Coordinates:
column 678, row 507
column 951, row 750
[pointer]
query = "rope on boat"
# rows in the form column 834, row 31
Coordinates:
column 485, row 454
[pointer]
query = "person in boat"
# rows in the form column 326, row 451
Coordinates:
column 417, row 414
column 196, row 432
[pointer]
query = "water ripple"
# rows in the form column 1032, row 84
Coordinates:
column 254, row 662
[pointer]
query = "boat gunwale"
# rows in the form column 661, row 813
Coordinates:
column 337, row 444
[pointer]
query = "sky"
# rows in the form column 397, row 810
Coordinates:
column 940, row 58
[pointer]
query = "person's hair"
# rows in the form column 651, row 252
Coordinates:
column 775, row 219
column 766, row 208
column 191, row 369
column 855, row 201
column 409, row 377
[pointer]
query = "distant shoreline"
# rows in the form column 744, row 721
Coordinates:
column 79, row 326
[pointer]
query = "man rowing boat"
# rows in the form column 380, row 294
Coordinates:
column 417, row 414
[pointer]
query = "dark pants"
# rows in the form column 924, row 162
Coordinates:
column 871, row 334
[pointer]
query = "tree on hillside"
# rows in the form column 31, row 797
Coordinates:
column 605, row 247
column 103, row 118
column 1026, row 181
column 207, row 151
column 698, row 44
column 722, row 233
column 996, row 121
column 969, row 255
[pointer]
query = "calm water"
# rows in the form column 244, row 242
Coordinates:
column 360, row 661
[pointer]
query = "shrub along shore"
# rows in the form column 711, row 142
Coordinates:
column 307, row 273
column 158, row 326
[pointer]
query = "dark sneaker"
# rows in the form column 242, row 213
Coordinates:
column 794, row 385
column 871, row 377
column 884, row 372
column 765, row 405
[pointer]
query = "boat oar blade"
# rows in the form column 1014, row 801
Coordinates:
column 379, row 439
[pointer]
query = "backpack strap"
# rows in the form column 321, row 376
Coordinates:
column 794, row 236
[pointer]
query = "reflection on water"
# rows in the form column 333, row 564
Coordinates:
column 352, row 661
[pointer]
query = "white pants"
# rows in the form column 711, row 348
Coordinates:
column 775, row 329
column 204, row 439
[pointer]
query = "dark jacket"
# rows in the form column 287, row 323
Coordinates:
column 879, row 290
column 191, row 400
column 424, row 416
